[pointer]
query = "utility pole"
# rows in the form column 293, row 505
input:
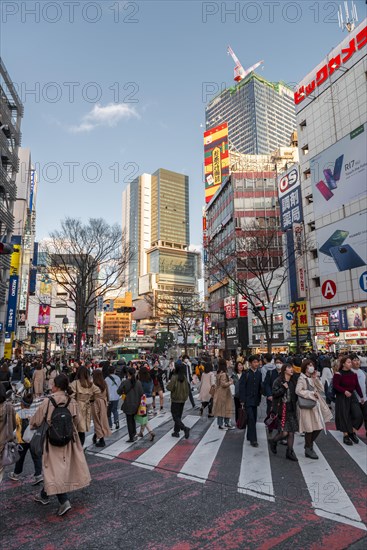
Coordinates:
column 45, row 348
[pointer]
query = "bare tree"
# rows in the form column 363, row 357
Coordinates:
column 86, row 260
column 257, row 266
column 183, row 310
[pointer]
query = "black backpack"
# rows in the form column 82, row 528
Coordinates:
column 60, row 431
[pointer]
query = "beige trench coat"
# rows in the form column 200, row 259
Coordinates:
column 51, row 379
column 83, row 397
column 99, row 413
column 64, row 468
column 311, row 420
column 39, row 378
column 223, row 401
column 206, row 382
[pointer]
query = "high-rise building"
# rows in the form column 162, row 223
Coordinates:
column 156, row 224
column 117, row 326
column 260, row 115
column 331, row 104
column 11, row 112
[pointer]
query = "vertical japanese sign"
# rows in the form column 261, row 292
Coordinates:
column 10, row 325
column 290, row 198
column 230, row 307
column 216, row 159
column 299, row 309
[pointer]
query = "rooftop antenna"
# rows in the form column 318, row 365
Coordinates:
column 350, row 19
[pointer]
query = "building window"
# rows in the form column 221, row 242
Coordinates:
column 307, row 174
column 309, row 198
column 311, row 226
column 305, row 149
column 303, row 124
column 316, row 282
column 314, row 253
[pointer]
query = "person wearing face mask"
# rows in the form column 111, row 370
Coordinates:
column 311, row 420
column 348, row 414
column 271, row 375
column 284, row 405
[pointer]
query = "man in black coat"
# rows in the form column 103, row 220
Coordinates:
column 250, row 396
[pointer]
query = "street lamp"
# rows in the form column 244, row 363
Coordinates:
column 65, row 323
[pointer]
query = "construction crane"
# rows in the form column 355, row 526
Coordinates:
column 239, row 71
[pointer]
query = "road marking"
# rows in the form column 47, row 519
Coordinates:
column 200, row 462
column 255, row 475
column 161, row 448
column 328, row 496
column 358, row 452
column 120, row 446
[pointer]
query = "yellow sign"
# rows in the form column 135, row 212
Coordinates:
column 299, row 309
column 15, row 260
column 217, row 166
column 8, row 348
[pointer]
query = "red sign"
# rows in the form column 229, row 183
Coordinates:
column 243, row 308
column 328, row 289
column 140, row 332
column 333, row 64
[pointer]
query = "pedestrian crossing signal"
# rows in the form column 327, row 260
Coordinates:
column 336, row 333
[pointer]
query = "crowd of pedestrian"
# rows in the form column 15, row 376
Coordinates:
column 301, row 395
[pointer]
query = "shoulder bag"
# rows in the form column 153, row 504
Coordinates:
column 304, row 402
column 11, row 449
column 38, row 439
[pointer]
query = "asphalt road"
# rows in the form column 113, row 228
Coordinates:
column 144, row 497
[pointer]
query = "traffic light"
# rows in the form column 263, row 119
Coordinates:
column 6, row 248
column 256, row 309
column 125, row 309
column 336, row 332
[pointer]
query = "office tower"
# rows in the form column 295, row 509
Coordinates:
column 260, row 115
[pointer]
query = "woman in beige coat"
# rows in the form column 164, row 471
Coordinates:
column 223, row 402
column 64, row 468
column 311, row 421
column 84, row 391
column 38, row 380
column 206, row 382
column 99, row 410
column 7, row 424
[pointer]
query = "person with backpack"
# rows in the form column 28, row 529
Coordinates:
column 99, row 410
column 64, row 465
column 113, row 382
column 179, row 388
column 133, row 392
column 83, row 391
column 22, row 422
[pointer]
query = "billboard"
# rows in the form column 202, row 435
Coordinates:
column 299, row 309
column 343, row 245
column 44, row 314
column 290, row 199
column 216, row 159
column 339, row 173
column 10, row 325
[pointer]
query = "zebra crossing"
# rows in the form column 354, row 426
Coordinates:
column 327, row 492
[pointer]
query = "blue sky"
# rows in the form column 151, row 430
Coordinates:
column 126, row 94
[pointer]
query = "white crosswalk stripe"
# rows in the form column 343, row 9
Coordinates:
column 152, row 457
column 200, row 462
column 356, row 452
column 328, row 497
column 255, row 474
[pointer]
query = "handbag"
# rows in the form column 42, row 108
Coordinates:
column 304, row 402
column 271, row 421
column 242, row 418
column 28, row 434
column 11, row 449
column 212, row 390
column 142, row 409
column 232, row 389
column 38, row 439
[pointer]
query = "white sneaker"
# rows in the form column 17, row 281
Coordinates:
column 64, row 508
column 37, row 479
column 14, row 477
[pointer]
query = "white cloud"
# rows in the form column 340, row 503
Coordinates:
column 110, row 115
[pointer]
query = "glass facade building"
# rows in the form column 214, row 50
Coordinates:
column 260, row 115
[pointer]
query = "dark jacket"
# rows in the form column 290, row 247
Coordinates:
column 250, row 388
column 157, row 376
column 132, row 396
column 270, row 378
column 179, row 390
column 279, row 391
column 17, row 374
column 147, row 387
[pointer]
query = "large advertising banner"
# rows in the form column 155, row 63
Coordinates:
column 216, row 159
column 339, row 173
column 299, row 309
column 44, row 314
column 343, row 245
column 290, row 199
column 10, row 325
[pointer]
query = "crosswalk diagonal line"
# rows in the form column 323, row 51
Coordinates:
column 328, row 496
column 198, row 465
column 120, row 446
column 152, row 457
column 255, row 477
column 358, row 452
